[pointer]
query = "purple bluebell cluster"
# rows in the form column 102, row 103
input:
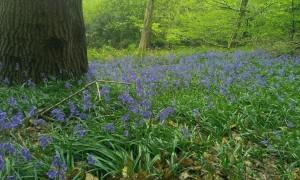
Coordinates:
column 25, row 154
column 12, row 102
column 110, row 128
column 79, row 130
column 68, row 85
column 105, row 93
column 58, row 114
column 2, row 162
column 39, row 122
column 165, row 113
column 32, row 111
column 58, row 168
column 44, row 141
column 74, row 112
column 12, row 122
column 87, row 100
column 90, row 159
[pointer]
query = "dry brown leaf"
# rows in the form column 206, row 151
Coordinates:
column 224, row 140
column 167, row 174
column 296, row 173
column 187, row 162
column 236, row 137
column 209, row 157
column 172, row 123
column 184, row 175
column 125, row 172
column 142, row 175
column 89, row 176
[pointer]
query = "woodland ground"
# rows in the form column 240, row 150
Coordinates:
column 198, row 115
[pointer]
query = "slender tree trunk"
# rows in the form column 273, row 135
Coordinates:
column 146, row 33
column 243, row 10
column 41, row 38
column 293, row 30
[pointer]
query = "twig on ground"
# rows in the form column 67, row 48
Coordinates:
column 41, row 112
column 79, row 91
column 98, row 91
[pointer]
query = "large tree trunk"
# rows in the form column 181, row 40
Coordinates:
column 243, row 10
column 41, row 38
column 146, row 33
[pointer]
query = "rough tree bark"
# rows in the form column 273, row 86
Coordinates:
column 242, row 14
column 146, row 33
column 41, row 38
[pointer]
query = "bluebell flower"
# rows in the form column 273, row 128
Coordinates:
column 52, row 174
column 83, row 116
column 139, row 88
column 12, row 102
column 32, row 111
column 3, row 116
column 126, row 98
column 2, row 162
column 146, row 104
column 57, row 169
column 68, row 85
column 165, row 113
column 25, row 154
column 277, row 134
column 30, row 83
column 195, row 113
column 7, row 148
column 105, row 93
column 265, row 142
column 73, row 110
column 146, row 114
column 90, row 159
column 39, row 122
column 56, row 161
column 290, row 125
column 11, row 178
column 79, row 131
column 16, row 120
column 58, row 115
column 185, row 132
column 126, row 133
column 87, row 102
column 110, row 128
column 134, row 108
column 125, row 118
column 44, row 141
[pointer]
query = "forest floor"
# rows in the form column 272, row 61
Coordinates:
column 199, row 116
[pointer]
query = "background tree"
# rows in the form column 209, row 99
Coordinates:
column 268, row 24
column 242, row 17
column 40, row 39
column 146, row 33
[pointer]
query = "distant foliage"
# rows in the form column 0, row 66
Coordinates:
column 118, row 23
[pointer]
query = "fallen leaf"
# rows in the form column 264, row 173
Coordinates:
column 187, row 162
column 184, row 175
column 125, row 172
column 89, row 176
column 209, row 157
column 172, row 123
column 224, row 140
